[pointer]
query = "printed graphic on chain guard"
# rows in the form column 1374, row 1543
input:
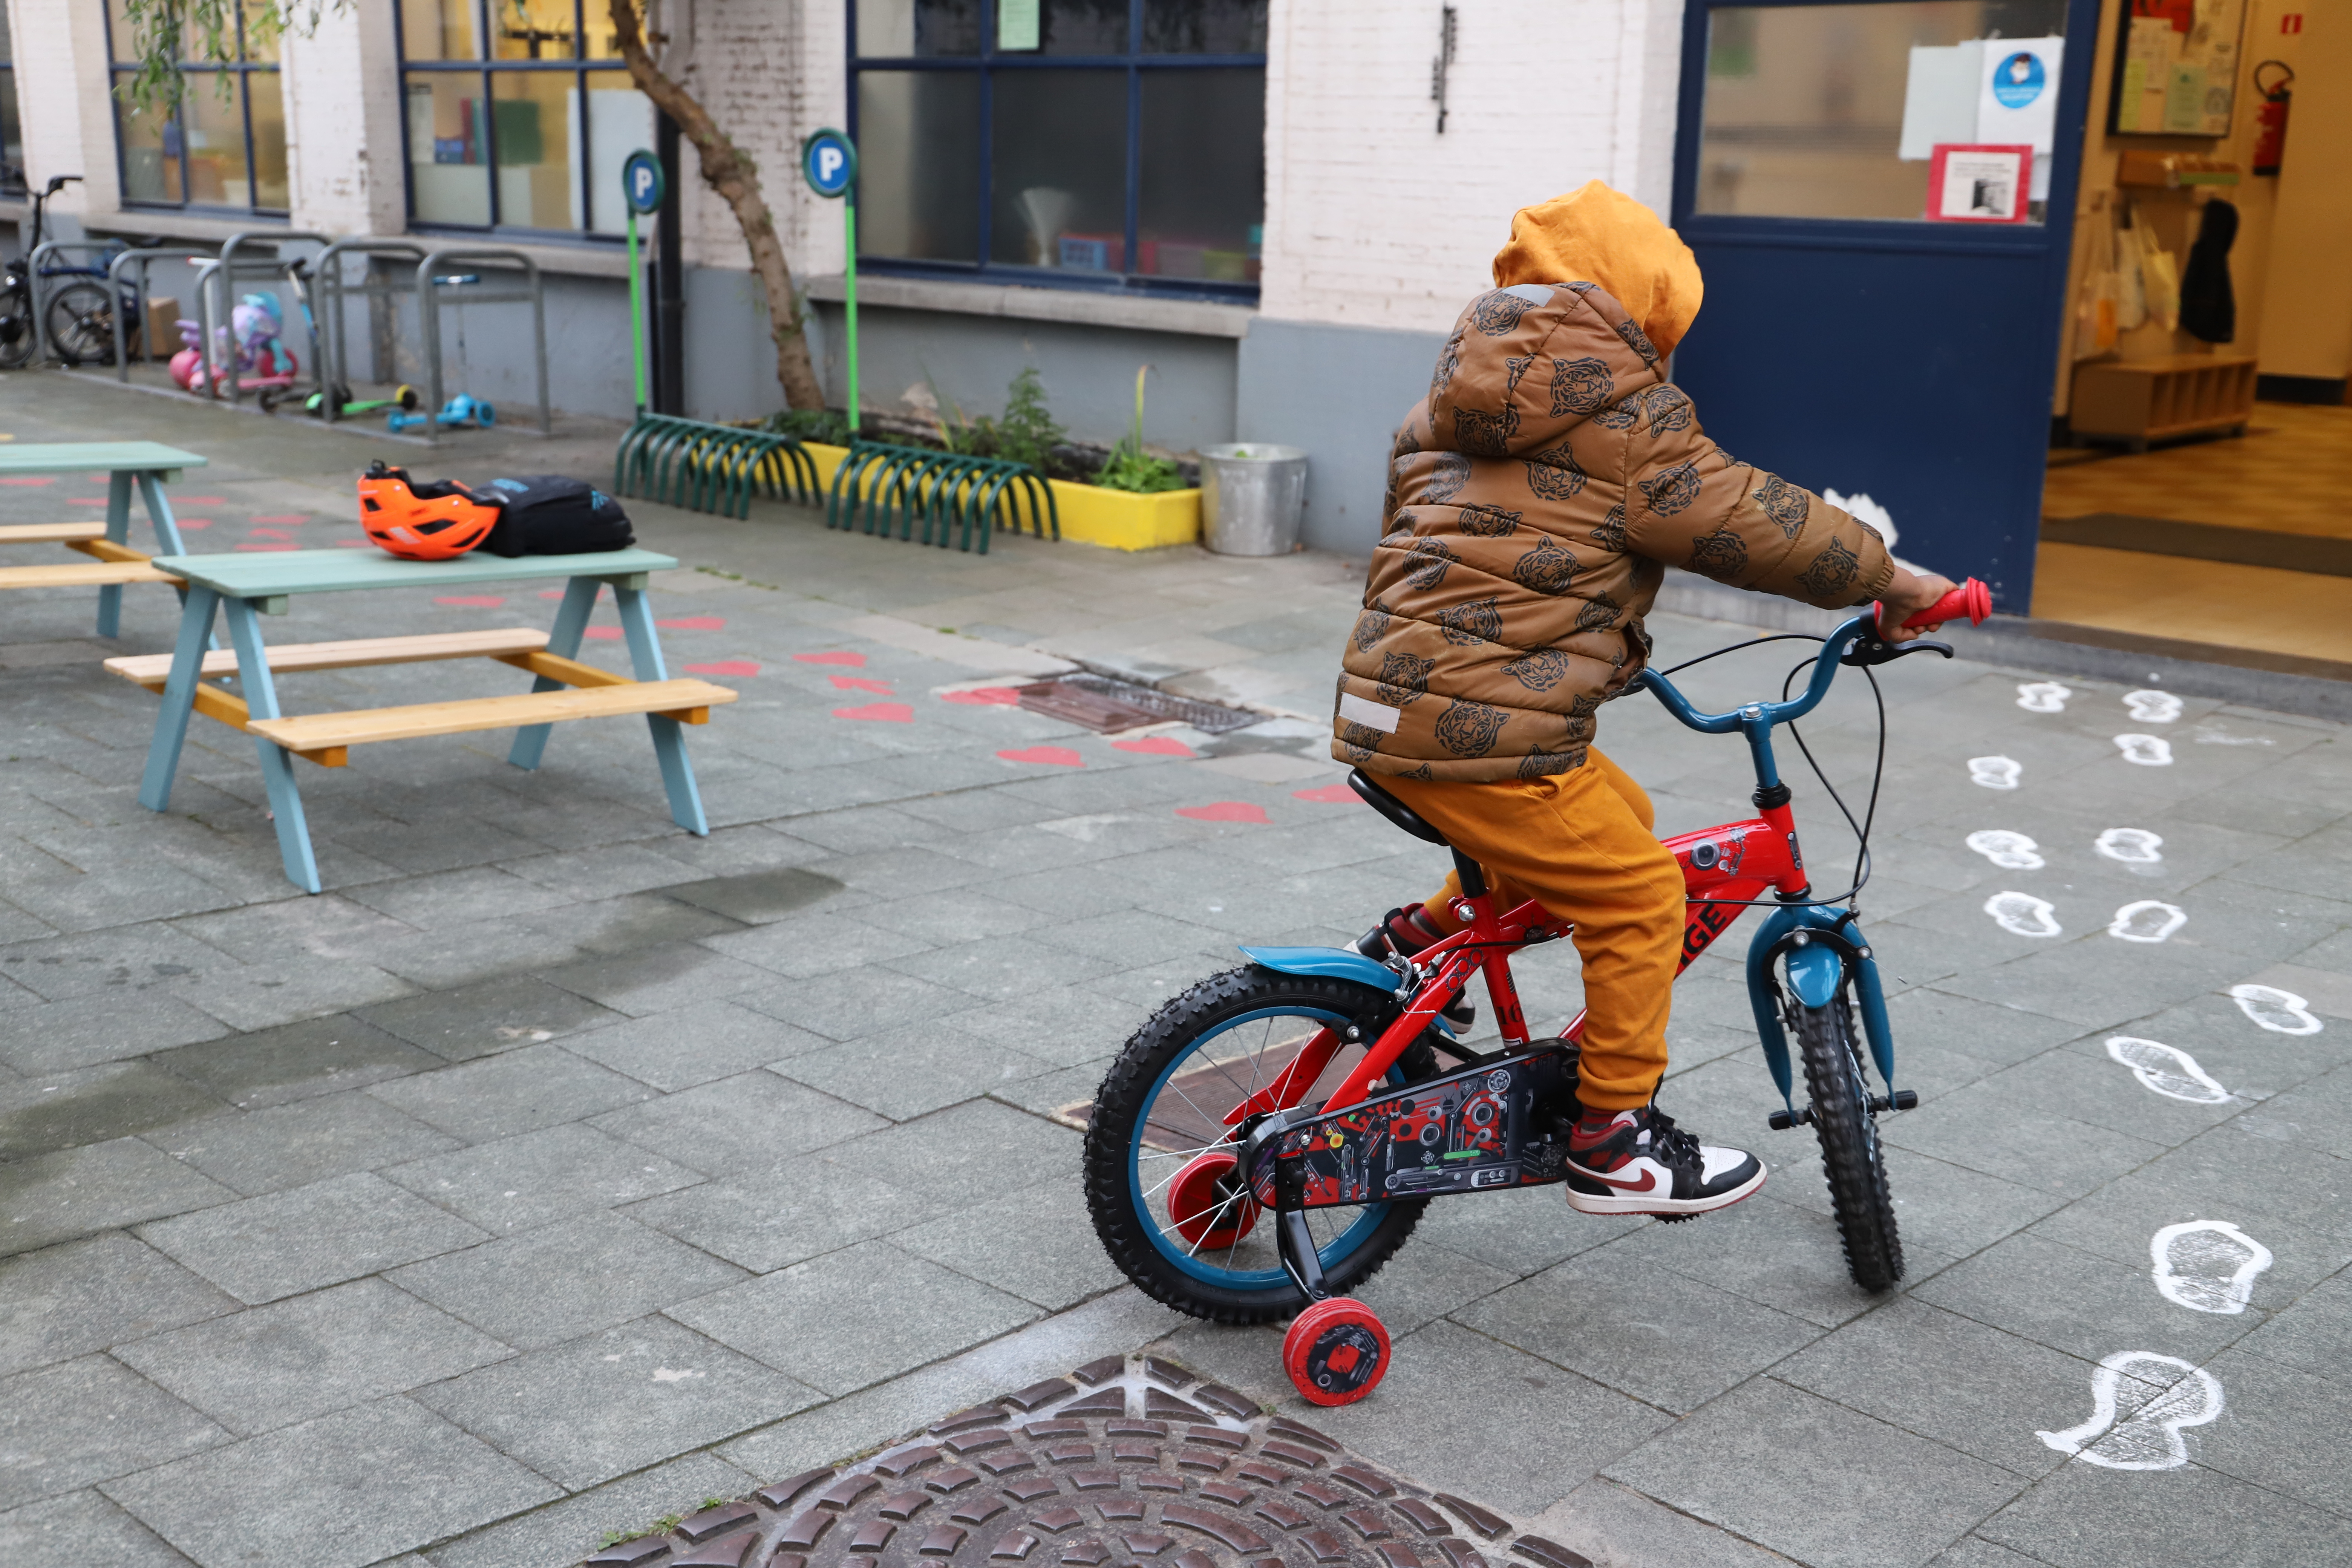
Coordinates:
column 1502, row 1123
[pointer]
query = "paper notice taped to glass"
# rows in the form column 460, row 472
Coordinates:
column 1016, row 23
column 1939, row 100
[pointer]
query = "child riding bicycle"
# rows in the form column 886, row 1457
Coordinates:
column 1536, row 496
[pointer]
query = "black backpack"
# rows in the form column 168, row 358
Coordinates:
column 548, row 514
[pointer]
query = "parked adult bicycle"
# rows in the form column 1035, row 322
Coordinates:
column 79, row 316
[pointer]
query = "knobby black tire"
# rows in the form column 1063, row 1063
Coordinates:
column 81, row 324
column 1120, row 1100
column 1852, row 1155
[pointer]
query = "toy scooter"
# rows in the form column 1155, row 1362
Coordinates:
column 403, row 398
column 461, row 410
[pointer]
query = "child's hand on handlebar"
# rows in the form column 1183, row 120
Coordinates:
column 1906, row 594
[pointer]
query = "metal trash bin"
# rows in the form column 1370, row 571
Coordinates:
column 1252, row 497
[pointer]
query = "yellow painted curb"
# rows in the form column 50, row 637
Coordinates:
column 1119, row 519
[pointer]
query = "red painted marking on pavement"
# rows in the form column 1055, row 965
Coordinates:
column 345, row 543
column 1155, row 746
column 854, row 660
column 44, row 479
column 195, row 522
column 268, row 533
column 1329, row 795
column 884, row 712
column 1224, row 811
column 983, row 696
column 551, row 593
column 603, row 633
column 270, row 547
column 85, row 500
column 293, row 518
column 1055, row 757
column 472, row 601
column 725, row 667
column 204, row 500
column 862, row 683
column 695, row 624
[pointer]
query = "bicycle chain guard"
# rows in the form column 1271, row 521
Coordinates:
column 1499, row 1124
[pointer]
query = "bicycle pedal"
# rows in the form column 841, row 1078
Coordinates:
column 1902, row 1100
column 1781, row 1121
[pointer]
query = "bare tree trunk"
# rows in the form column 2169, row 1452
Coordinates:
column 729, row 171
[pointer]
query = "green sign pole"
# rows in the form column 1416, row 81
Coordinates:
column 640, row 192
column 849, row 300
column 637, row 310
column 829, row 164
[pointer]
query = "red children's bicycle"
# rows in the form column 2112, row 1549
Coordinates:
column 1308, row 1082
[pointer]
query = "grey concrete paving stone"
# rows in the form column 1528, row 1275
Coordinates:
column 292, row 1360
column 292, row 1145
column 518, row 1092
column 262, row 1248
column 911, row 1070
column 105, row 1028
column 483, row 1019
column 693, row 1045
column 99, row 1186
column 763, row 1220
column 561, row 1533
column 52, row 1112
column 1617, row 1528
column 65, row 1301
column 2086, row 1517
column 1900, row 1499
column 77, row 1422
column 390, row 1476
column 612, row 1270
column 596, row 1407
column 806, row 1319
column 534, row 1178
column 295, row 1061
column 744, row 1122
column 848, row 1007
column 2072, row 1302
column 1036, row 1243
column 83, row 1524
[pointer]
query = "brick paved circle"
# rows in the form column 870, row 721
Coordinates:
column 1125, row 1463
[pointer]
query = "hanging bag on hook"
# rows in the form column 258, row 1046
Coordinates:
column 549, row 514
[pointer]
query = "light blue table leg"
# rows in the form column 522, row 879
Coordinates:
column 669, row 745
column 277, row 761
column 159, row 515
column 179, row 699
column 118, row 529
column 563, row 642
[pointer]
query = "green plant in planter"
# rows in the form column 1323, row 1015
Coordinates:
column 1131, row 468
column 828, row 426
column 1027, row 433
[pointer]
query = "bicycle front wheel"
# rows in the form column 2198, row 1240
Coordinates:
column 17, row 339
column 1161, row 1176
column 1852, row 1155
column 81, row 321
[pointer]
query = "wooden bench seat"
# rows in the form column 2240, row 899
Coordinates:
column 95, row 574
column 50, row 532
column 324, row 737
column 152, row 670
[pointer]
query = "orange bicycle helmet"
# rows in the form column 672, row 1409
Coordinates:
column 437, row 520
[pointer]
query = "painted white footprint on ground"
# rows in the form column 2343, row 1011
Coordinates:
column 2147, row 750
column 1995, row 772
column 2207, row 1265
column 2022, row 914
column 2152, row 707
column 2148, row 920
column 2042, row 696
column 2280, row 1012
column 2135, row 1423
column 2132, row 845
column 2167, row 1069
column 2010, row 851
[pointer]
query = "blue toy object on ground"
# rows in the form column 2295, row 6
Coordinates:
column 462, row 409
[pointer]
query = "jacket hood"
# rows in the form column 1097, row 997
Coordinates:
column 1596, row 234
column 1528, row 363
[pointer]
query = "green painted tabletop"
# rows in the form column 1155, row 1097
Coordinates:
column 268, row 574
column 92, row 457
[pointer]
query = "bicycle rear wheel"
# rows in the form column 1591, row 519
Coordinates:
column 81, row 321
column 1852, row 1155
column 17, row 339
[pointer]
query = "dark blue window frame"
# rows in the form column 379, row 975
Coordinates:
column 987, row 64
column 205, row 75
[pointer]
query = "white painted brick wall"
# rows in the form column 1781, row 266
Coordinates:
column 343, row 153
column 770, row 72
column 1372, row 218
column 61, row 96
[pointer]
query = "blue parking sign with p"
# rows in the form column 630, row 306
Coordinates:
column 829, row 163
column 641, row 182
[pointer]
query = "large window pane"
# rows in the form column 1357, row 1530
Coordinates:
column 1205, row 26
column 437, row 30
column 1082, row 27
column 533, row 29
column 1805, row 104
column 260, row 50
column 449, row 149
column 918, row 164
column 619, row 120
column 531, row 115
column 214, row 114
column 915, row 29
column 150, row 154
column 267, row 98
column 1203, row 198
column 1059, row 183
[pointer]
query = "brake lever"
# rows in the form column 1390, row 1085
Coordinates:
column 1869, row 650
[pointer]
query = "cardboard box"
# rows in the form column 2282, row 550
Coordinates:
column 163, row 326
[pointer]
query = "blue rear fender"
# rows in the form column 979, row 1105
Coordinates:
column 1330, row 962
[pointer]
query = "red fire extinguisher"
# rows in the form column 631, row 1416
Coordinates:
column 2270, row 120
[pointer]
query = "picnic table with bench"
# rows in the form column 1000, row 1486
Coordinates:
column 245, row 587
column 113, row 562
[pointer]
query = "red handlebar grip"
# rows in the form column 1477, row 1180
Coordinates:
column 1972, row 601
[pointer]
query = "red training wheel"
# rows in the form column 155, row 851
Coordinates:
column 1336, row 1352
column 1211, row 1210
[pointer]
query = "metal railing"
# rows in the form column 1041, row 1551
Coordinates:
column 430, row 289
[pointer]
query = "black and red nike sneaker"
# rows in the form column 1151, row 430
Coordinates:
column 1639, row 1162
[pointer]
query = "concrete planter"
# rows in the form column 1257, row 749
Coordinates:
column 1118, row 519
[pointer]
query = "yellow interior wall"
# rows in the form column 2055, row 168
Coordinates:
column 2309, row 294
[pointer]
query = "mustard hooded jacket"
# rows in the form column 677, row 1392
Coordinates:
column 1536, row 496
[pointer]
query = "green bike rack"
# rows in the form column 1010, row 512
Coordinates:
column 886, row 489
column 703, row 466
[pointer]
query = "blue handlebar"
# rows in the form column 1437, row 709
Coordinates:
column 1762, row 715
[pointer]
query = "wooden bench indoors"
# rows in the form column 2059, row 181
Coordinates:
column 113, row 564
column 245, row 587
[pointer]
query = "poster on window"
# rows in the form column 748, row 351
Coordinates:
column 1979, row 182
column 2175, row 67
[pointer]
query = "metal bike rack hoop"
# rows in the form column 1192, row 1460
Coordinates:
column 228, row 270
column 428, row 315
column 144, row 258
column 56, row 247
column 329, row 324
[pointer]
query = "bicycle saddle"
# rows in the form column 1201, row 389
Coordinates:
column 1393, row 808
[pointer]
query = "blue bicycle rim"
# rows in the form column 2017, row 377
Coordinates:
column 1332, row 1252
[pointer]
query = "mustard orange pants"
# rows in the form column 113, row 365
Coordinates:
column 1579, row 843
